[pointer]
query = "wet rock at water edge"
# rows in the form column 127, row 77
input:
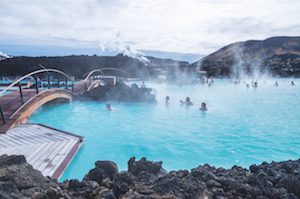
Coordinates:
column 135, row 167
column 147, row 179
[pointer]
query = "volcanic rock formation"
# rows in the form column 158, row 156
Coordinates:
column 146, row 179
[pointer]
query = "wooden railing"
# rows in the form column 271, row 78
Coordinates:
column 34, row 75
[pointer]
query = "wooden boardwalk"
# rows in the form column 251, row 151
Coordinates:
column 18, row 113
column 47, row 149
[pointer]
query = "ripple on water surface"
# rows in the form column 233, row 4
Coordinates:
column 243, row 126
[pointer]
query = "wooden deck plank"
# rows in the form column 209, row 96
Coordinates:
column 28, row 150
column 59, row 158
column 33, row 134
column 51, row 155
column 59, row 136
column 24, row 137
column 39, row 137
column 18, row 139
column 52, row 134
column 22, row 150
column 8, row 142
column 40, row 154
column 3, row 143
column 2, row 146
column 36, row 150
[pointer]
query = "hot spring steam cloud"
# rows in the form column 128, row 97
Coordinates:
column 3, row 56
column 117, row 44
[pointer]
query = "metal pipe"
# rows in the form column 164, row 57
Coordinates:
column 2, row 114
column 57, row 80
column 66, row 83
column 21, row 94
column 36, row 83
column 49, row 86
column 47, row 74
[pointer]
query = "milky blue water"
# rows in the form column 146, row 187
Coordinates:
column 243, row 126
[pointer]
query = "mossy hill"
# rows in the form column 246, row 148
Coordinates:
column 279, row 56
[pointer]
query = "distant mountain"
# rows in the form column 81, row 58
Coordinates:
column 166, row 65
column 75, row 65
column 276, row 55
column 78, row 65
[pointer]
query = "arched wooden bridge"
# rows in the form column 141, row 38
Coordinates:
column 93, row 79
column 17, row 106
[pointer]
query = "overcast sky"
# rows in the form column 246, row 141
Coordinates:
column 191, row 26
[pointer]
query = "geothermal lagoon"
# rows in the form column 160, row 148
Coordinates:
column 243, row 126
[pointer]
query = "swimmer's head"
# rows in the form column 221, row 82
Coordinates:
column 107, row 105
column 167, row 98
column 187, row 99
column 203, row 105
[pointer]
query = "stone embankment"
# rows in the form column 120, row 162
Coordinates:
column 146, row 179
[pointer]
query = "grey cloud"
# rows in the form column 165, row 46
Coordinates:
column 197, row 26
column 240, row 26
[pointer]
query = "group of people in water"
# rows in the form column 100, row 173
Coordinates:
column 188, row 102
column 254, row 84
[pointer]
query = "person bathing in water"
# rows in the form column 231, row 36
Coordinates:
column 167, row 100
column 203, row 107
column 187, row 101
column 108, row 106
column 143, row 85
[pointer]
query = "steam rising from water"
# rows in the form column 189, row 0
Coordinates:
column 3, row 56
column 117, row 44
column 247, row 65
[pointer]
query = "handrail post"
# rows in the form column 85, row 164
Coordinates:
column 2, row 114
column 21, row 94
column 36, row 84
column 58, row 80
column 66, row 83
column 49, row 86
column 72, row 86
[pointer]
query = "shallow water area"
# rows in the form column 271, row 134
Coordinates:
column 243, row 126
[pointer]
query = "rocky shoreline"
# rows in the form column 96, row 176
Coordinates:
column 146, row 179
